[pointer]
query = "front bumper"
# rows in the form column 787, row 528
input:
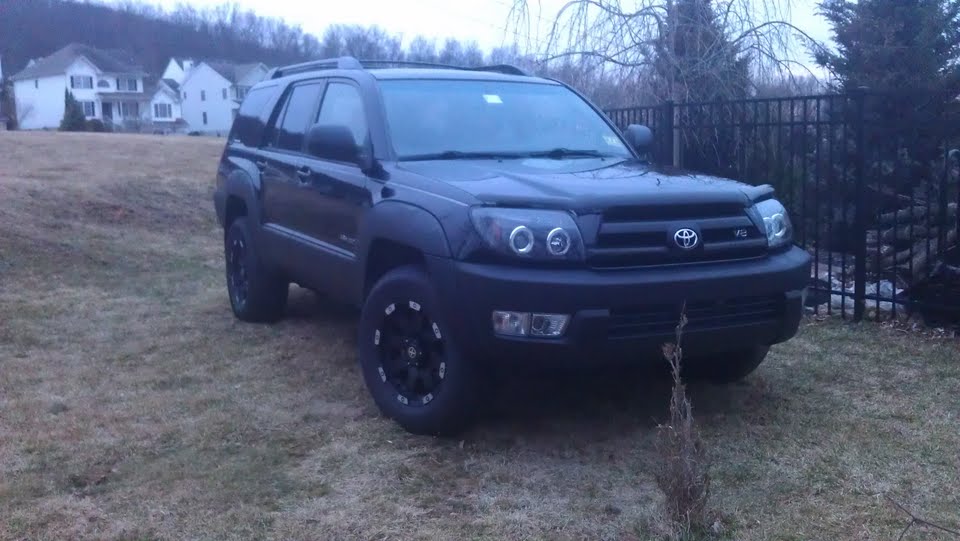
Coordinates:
column 624, row 314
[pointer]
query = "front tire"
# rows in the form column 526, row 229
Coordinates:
column 724, row 368
column 256, row 294
column 411, row 364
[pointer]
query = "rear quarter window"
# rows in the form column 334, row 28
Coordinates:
column 253, row 115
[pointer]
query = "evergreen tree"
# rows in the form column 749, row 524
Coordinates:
column 694, row 59
column 904, row 54
column 73, row 117
column 889, row 45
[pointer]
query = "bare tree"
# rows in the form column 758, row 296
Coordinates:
column 626, row 36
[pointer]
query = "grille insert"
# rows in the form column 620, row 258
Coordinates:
column 632, row 322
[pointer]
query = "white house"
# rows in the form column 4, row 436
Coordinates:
column 108, row 84
column 210, row 92
column 165, row 109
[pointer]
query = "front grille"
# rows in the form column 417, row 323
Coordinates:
column 633, row 322
column 637, row 236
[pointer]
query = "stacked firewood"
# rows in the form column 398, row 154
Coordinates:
column 911, row 239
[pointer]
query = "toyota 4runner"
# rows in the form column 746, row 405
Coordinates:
column 479, row 215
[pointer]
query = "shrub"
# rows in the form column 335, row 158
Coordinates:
column 682, row 473
column 73, row 117
column 96, row 125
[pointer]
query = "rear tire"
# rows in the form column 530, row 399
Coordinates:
column 256, row 294
column 411, row 364
column 724, row 368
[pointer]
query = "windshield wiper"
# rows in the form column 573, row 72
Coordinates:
column 460, row 155
column 560, row 153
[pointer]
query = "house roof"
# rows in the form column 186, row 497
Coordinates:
column 233, row 72
column 110, row 61
column 175, row 86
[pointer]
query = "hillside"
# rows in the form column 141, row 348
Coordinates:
column 31, row 29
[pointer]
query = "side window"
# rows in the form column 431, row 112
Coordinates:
column 343, row 106
column 291, row 124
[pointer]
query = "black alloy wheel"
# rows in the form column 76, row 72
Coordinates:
column 237, row 272
column 411, row 350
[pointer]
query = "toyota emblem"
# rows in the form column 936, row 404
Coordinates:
column 686, row 238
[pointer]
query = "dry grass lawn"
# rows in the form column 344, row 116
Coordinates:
column 133, row 406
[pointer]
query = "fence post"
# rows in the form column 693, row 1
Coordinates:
column 666, row 135
column 860, row 212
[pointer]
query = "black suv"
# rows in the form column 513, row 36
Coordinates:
column 479, row 215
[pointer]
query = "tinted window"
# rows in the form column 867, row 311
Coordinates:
column 433, row 116
column 249, row 123
column 296, row 115
column 343, row 106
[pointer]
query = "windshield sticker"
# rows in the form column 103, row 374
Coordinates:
column 492, row 98
column 611, row 140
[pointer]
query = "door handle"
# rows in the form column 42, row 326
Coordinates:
column 261, row 164
column 304, row 173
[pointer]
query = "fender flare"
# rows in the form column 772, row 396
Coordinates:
column 241, row 184
column 402, row 223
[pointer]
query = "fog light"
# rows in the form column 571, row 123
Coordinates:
column 511, row 323
column 550, row 325
column 527, row 324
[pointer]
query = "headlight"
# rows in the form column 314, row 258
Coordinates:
column 529, row 233
column 776, row 221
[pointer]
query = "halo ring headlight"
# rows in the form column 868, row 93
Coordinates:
column 521, row 240
column 558, row 241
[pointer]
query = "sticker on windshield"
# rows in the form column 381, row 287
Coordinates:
column 492, row 98
column 611, row 140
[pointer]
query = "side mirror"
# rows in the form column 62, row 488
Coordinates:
column 333, row 142
column 640, row 137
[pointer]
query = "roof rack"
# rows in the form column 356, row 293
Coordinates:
column 343, row 62
column 349, row 62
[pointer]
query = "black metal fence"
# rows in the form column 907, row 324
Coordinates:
column 870, row 179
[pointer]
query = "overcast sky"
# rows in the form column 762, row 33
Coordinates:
column 484, row 21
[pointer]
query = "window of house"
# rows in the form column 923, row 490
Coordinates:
column 204, row 118
column 89, row 108
column 130, row 109
column 36, row 83
column 343, row 106
column 162, row 110
column 184, row 95
column 241, row 92
column 81, row 81
column 224, row 93
column 293, row 121
column 203, row 95
column 127, row 84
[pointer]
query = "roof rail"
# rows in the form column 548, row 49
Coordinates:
column 499, row 68
column 343, row 62
column 506, row 69
column 348, row 62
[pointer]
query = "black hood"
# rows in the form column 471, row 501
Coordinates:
column 582, row 184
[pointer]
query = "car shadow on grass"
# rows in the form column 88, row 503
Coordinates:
column 597, row 399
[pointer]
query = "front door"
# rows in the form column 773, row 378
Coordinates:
column 333, row 195
column 107, row 111
column 279, row 160
column 337, row 192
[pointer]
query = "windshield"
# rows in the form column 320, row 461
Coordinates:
column 450, row 119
